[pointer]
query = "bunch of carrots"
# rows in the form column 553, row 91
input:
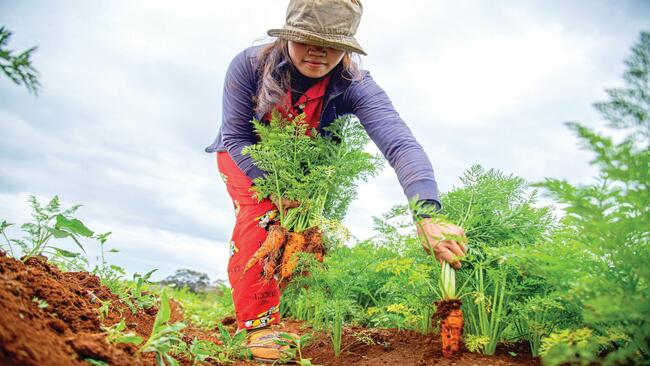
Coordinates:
column 318, row 172
column 279, row 252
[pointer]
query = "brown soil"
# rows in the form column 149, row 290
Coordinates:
column 68, row 329
column 444, row 307
column 65, row 329
column 366, row 347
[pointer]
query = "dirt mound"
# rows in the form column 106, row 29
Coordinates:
column 48, row 318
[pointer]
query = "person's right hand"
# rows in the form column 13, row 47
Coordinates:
column 431, row 235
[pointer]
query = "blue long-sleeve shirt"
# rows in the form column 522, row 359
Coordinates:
column 363, row 98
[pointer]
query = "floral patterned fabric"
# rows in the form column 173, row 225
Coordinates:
column 257, row 301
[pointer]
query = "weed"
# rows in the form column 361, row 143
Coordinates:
column 42, row 304
column 232, row 346
column 293, row 352
column 94, row 362
column 116, row 334
column 163, row 335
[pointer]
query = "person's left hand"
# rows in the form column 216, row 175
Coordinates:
column 431, row 235
column 286, row 203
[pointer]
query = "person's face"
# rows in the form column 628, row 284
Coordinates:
column 314, row 61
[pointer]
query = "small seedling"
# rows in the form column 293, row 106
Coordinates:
column 294, row 350
column 42, row 304
column 164, row 337
column 115, row 334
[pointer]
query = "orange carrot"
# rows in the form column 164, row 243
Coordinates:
column 295, row 244
column 272, row 264
column 273, row 243
column 451, row 331
column 451, row 325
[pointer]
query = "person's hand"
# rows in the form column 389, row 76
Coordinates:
column 286, row 203
column 431, row 235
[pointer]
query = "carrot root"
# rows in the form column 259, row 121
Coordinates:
column 451, row 331
column 295, row 244
column 273, row 243
column 451, row 325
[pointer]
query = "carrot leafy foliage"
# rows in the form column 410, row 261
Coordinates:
column 320, row 171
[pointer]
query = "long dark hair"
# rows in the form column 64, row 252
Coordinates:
column 274, row 81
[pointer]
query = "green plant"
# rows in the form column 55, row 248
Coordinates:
column 536, row 318
column 18, row 68
column 205, row 309
column 317, row 171
column 116, row 334
column 580, row 346
column 104, row 309
column 336, row 311
column 599, row 258
column 203, row 351
column 163, row 335
column 135, row 294
column 486, row 311
column 42, row 304
column 232, row 346
column 109, row 274
column 293, row 352
column 50, row 222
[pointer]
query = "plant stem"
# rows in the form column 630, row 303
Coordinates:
column 447, row 281
column 11, row 249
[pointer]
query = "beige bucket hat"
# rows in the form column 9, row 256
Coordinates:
column 328, row 23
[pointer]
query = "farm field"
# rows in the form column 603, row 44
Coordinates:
column 534, row 288
column 68, row 326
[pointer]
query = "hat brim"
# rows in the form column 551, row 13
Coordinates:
column 336, row 41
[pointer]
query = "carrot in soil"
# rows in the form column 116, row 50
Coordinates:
column 273, row 243
column 295, row 244
column 451, row 325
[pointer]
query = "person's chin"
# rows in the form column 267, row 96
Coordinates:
column 312, row 74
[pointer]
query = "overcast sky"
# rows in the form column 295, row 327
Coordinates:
column 132, row 89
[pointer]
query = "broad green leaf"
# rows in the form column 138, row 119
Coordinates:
column 164, row 311
column 130, row 338
column 73, row 226
column 59, row 234
column 121, row 325
column 65, row 253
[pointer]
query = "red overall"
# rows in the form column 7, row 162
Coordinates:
column 257, row 302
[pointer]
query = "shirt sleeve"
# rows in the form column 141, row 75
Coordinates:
column 375, row 111
column 237, row 112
